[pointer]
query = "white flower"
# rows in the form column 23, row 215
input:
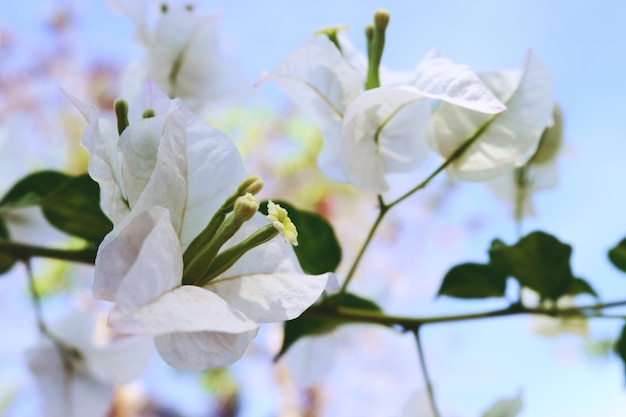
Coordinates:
column 502, row 141
column 83, row 386
column 368, row 134
column 518, row 185
column 183, row 56
column 162, row 181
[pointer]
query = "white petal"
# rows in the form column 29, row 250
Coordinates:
column 203, row 350
column 511, row 137
column 214, row 171
column 318, row 79
column 67, row 394
column 505, row 408
column 186, row 309
column 384, row 131
column 100, row 139
column 149, row 96
column 136, row 11
column 157, row 268
column 329, row 158
column 76, row 329
column 175, row 31
column 122, row 361
column 166, row 186
column 270, row 297
column 139, row 144
column 120, row 249
column 353, row 56
column 440, row 78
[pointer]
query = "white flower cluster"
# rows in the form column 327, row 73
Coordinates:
column 493, row 120
column 162, row 180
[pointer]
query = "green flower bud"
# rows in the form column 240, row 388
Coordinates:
column 375, row 45
column 381, row 20
column 246, row 207
column 251, row 185
column 148, row 113
column 121, row 113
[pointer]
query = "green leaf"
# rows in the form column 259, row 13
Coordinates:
column 620, row 345
column 71, row 204
column 74, row 208
column 538, row 261
column 32, row 190
column 471, row 280
column 617, row 255
column 580, row 286
column 6, row 261
column 310, row 324
column 318, row 250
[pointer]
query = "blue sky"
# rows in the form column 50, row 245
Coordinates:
column 583, row 43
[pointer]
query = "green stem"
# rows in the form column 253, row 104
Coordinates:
column 25, row 252
column 354, row 315
column 427, row 380
column 383, row 208
column 67, row 352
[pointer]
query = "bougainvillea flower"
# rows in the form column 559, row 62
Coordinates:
column 368, row 134
column 162, row 181
column 81, row 385
column 183, row 56
column 498, row 142
column 518, row 185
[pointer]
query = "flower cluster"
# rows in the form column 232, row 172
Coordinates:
column 190, row 261
column 388, row 127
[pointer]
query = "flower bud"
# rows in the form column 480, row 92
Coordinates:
column 381, row 20
column 369, row 33
column 148, row 113
column 121, row 113
column 251, row 185
column 245, row 207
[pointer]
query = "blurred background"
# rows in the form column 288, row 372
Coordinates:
column 84, row 47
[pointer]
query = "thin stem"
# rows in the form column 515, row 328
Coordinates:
column 25, row 252
column 427, row 380
column 41, row 324
column 460, row 150
column 354, row 315
column 383, row 208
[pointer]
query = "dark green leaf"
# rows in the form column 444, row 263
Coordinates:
column 617, row 255
column 318, row 249
column 74, row 208
column 471, row 280
column 33, row 189
column 318, row 319
column 620, row 345
column 580, row 286
column 6, row 261
column 71, row 204
column 538, row 261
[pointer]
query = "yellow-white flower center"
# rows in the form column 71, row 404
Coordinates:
column 281, row 221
